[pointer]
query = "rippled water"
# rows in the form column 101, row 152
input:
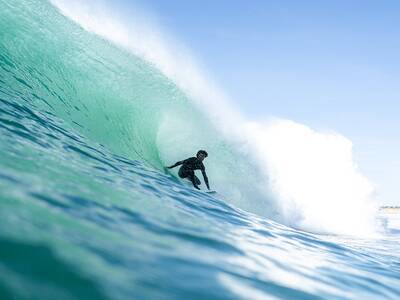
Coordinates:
column 78, row 222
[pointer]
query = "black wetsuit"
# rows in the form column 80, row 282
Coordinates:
column 187, row 170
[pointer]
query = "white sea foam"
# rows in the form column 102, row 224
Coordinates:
column 312, row 175
column 319, row 186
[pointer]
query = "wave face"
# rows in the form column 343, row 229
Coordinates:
column 118, row 100
column 87, row 213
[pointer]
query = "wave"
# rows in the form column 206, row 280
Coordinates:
column 130, row 88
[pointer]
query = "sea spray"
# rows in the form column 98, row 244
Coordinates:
column 319, row 186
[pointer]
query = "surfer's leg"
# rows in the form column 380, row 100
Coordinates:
column 193, row 178
column 197, row 180
column 182, row 173
column 190, row 175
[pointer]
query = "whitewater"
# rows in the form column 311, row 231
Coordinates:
column 92, row 109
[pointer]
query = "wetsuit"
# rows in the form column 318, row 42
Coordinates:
column 187, row 170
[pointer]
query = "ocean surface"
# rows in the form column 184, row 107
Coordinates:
column 87, row 212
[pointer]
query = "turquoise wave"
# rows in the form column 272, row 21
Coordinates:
column 108, row 95
column 87, row 213
column 114, row 98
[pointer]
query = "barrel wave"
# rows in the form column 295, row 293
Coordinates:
column 86, row 211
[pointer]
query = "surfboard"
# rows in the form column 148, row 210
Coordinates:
column 211, row 192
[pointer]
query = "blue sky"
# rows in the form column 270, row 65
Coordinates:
column 332, row 65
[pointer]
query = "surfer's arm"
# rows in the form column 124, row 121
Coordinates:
column 203, row 171
column 176, row 164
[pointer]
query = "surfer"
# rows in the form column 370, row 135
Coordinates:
column 191, row 164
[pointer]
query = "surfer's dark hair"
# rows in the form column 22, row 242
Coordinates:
column 202, row 152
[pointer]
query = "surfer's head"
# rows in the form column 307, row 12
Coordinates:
column 201, row 155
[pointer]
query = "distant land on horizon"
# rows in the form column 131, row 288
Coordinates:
column 390, row 209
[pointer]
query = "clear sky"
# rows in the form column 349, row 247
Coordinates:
column 331, row 65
